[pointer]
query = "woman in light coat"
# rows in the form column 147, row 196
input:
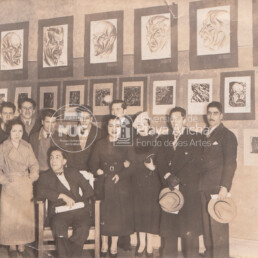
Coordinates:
column 18, row 170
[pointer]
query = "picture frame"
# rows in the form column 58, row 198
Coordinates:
column 250, row 147
column 238, row 95
column 75, row 93
column 55, row 47
column 213, row 34
column 14, row 40
column 255, row 34
column 102, row 93
column 3, row 95
column 103, row 58
column 133, row 90
column 199, row 95
column 163, row 96
column 48, row 95
column 20, row 93
column 155, row 52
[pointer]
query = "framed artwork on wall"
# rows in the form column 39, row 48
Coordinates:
column 155, row 39
column 48, row 95
column 103, row 50
column 133, row 90
column 55, row 47
column 199, row 95
column 163, row 97
column 250, row 147
column 3, row 95
column 238, row 95
column 213, row 34
column 21, row 93
column 14, row 51
column 102, row 93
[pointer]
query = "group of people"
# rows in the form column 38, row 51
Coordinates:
column 128, row 179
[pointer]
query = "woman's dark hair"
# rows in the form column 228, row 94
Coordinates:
column 106, row 121
column 12, row 123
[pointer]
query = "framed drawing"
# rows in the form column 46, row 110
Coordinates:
column 3, row 95
column 49, row 95
column 199, row 95
column 55, row 50
column 103, row 50
column 75, row 93
column 155, row 39
column 163, row 97
column 255, row 32
column 102, row 93
column 21, row 93
column 133, row 91
column 250, row 147
column 14, row 51
column 238, row 95
column 213, row 34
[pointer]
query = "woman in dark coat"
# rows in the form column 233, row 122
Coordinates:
column 109, row 163
column 146, row 183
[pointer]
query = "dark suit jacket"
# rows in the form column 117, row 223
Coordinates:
column 3, row 135
column 219, row 160
column 35, row 128
column 49, row 187
column 78, row 158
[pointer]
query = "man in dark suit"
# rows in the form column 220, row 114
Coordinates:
column 85, row 138
column 27, row 108
column 219, row 165
column 61, row 186
column 179, row 166
column 44, row 138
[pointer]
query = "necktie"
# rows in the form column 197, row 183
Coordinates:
column 48, row 135
column 59, row 173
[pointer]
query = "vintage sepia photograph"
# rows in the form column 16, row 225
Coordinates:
column 199, row 95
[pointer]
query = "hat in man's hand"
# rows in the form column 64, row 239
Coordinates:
column 171, row 201
column 223, row 211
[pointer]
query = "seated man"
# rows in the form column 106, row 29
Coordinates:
column 68, row 192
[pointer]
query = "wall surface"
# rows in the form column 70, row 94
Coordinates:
column 245, row 183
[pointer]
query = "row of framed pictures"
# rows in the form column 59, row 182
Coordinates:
column 213, row 41
column 237, row 94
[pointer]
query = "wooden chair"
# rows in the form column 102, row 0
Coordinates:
column 45, row 234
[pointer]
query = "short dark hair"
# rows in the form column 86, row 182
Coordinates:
column 48, row 112
column 30, row 100
column 178, row 109
column 7, row 104
column 11, row 123
column 84, row 108
column 119, row 101
column 215, row 104
column 55, row 148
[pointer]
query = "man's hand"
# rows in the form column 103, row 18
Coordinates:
column 172, row 181
column 126, row 163
column 69, row 201
column 100, row 172
column 150, row 165
column 223, row 192
column 115, row 179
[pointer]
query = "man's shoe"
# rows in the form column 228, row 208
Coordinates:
column 103, row 254
column 13, row 254
column 149, row 255
column 139, row 254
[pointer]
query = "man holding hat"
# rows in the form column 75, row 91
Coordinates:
column 179, row 166
column 219, row 165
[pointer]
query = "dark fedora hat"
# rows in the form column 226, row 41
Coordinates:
column 223, row 211
column 171, row 201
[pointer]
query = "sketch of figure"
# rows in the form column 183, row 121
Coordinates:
column 103, row 41
column 74, row 98
column 12, row 49
column 48, row 100
column 132, row 95
column 164, row 95
column 101, row 95
column 155, row 37
column 237, row 94
column 55, row 46
column 213, row 29
column 200, row 92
